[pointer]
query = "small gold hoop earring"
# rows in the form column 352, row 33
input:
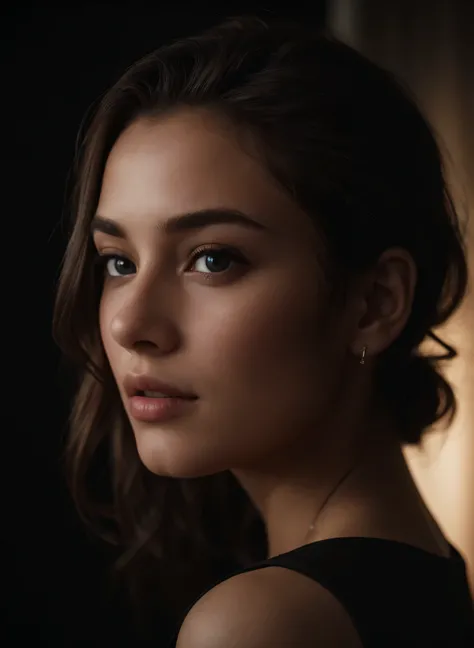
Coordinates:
column 362, row 357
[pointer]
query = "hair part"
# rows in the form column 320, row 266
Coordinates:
column 340, row 135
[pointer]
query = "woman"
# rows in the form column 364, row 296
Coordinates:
column 262, row 239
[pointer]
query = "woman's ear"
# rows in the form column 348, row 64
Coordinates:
column 385, row 301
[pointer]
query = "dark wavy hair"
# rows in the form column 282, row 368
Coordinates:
column 346, row 142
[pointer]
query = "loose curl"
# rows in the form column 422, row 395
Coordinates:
column 351, row 148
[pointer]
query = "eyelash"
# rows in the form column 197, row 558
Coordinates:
column 234, row 255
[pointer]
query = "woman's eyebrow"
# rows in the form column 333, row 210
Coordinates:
column 182, row 222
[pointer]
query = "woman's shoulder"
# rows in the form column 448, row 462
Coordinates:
column 268, row 607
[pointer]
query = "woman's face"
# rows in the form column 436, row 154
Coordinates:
column 246, row 328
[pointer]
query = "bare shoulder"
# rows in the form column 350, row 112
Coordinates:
column 270, row 607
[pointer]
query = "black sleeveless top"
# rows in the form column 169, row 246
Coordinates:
column 396, row 594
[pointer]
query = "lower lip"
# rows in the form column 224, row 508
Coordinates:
column 157, row 410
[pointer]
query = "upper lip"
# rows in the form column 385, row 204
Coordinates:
column 135, row 383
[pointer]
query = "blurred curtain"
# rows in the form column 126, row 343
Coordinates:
column 430, row 46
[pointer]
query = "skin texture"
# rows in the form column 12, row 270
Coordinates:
column 283, row 400
column 267, row 608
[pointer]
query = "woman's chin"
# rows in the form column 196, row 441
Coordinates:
column 180, row 465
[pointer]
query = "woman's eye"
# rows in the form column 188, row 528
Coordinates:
column 206, row 260
column 213, row 260
column 116, row 266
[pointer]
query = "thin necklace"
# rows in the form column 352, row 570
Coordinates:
column 331, row 493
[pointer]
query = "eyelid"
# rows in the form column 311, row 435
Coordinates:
column 209, row 247
column 101, row 261
column 102, row 258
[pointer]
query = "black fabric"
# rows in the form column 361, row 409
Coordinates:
column 396, row 594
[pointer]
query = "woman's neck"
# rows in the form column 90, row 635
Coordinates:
column 303, row 483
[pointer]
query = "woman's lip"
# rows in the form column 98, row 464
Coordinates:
column 158, row 410
column 134, row 383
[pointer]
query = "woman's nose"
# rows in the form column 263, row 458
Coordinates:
column 145, row 317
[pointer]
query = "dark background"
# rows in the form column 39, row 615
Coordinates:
column 55, row 62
